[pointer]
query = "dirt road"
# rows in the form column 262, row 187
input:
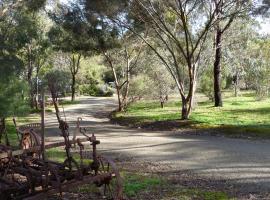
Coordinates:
column 245, row 162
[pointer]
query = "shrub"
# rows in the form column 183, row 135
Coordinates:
column 95, row 90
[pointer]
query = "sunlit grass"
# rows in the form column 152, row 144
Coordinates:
column 241, row 114
column 188, row 194
column 11, row 130
column 135, row 183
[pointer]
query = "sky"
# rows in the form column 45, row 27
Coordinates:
column 265, row 25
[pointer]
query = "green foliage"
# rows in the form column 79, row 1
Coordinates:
column 95, row 90
column 34, row 5
column 12, row 101
column 92, row 71
column 71, row 32
column 59, row 80
column 259, row 66
column 108, row 77
column 206, row 86
column 140, row 86
column 18, row 27
column 206, row 83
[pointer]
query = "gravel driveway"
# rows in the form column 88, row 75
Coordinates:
column 244, row 162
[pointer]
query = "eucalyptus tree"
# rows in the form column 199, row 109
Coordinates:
column 56, row 80
column 177, row 37
column 73, row 34
column 123, row 61
column 226, row 11
column 13, row 37
column 34, row 53
column 119, row 47
column 236, row 42
column 259, row 66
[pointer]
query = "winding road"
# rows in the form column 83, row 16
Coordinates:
column 245, row 162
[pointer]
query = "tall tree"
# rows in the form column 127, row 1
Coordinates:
column 73, row 34
column 34, row 52
column 85, row 31
column 13, row 37
column 176, row 38
column 125, row 58
column 225, row 12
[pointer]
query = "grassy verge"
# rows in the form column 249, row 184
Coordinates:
column 239, row 116
column 188, row 194
column 141, row 186
column 136, row 182
column 11, row 130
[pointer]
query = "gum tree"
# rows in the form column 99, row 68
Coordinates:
column 73, row 34
column 226, row 11
column 179, row 39
column 12, row 40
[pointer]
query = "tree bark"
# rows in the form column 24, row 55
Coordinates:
column 29, row 77
column 185, row 109
column 3, row 131
column 217, row 69
column 73, row 85
column 125, row 97
column 74, row 69
column 162, row 104
column 236, row 80
column 120, row 105
column 116, row 82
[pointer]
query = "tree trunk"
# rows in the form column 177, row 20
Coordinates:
column 73, row 85
column 36, row 96
column 162, row 104
column 29, row 77
column 32, row 97
column 236, row 85
column 120, row 105
column 116, row 82
column 3, row 131
column 125, row 97
column 118, row 89
column 217, row 69
column 2, row 128
column 185, row 109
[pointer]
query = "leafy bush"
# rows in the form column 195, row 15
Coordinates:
column 206, row 84
column 206, row 87
column 95, row 90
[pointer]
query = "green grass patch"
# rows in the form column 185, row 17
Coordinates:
column 11, row 130
column 56, row 154
column 189, row 194
column 59, row 155
column 135, row 183
column 239, row 115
